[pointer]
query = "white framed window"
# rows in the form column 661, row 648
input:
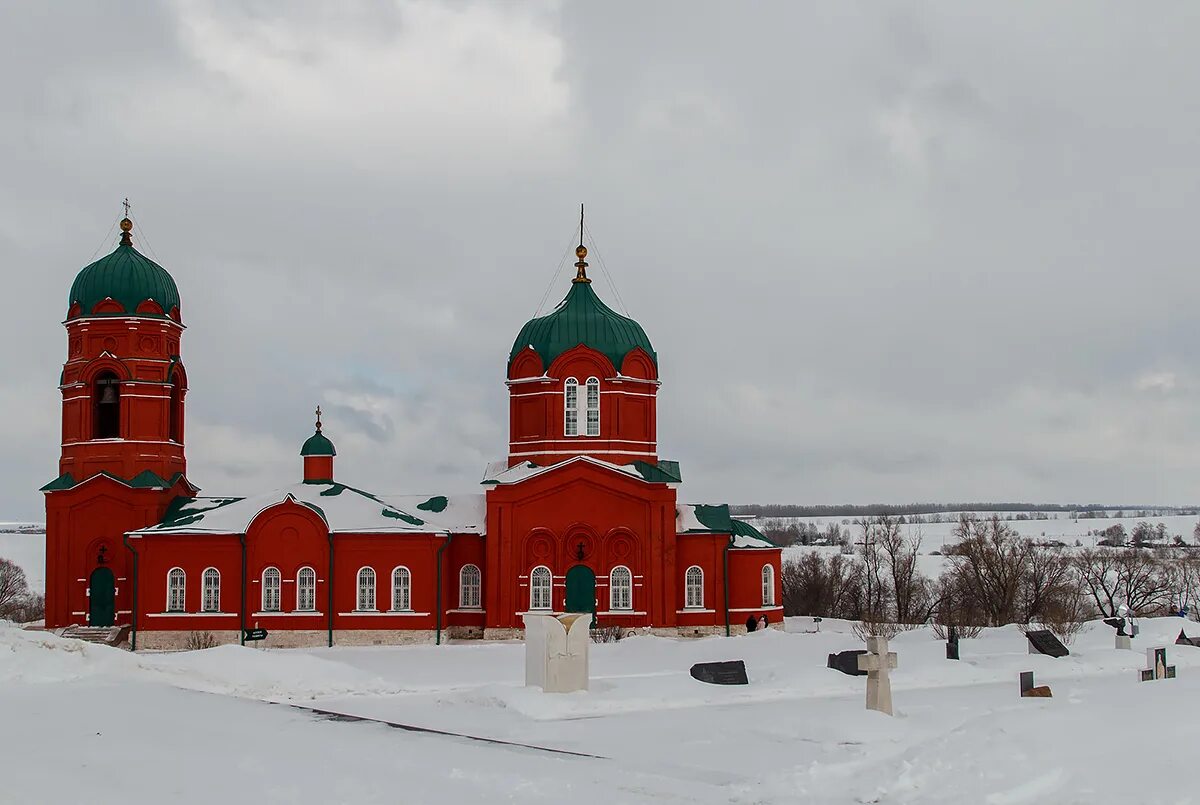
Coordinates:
column 693, row 588
column 271, row 582
column 593, row 407
column 176, row 586
column 401, row 590
column 306, row 590
column 540, row 585
column 571, row 407
column 620, row 588
column 768, row 586
column 366, row 590
column 469, row 584
column 210, row 582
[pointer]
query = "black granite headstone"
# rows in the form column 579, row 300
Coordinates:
column 952, row 643
column 1043, row 641
column 1026, row 682
column 732, row 672
column 847, row 662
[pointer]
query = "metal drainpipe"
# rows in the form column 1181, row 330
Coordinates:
column 329, row 591
column 242, row 607
column 726, row 580
column 445, row 545
column 133, row 630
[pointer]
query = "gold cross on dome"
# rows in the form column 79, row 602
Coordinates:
column 126, row 203
column 318, row 417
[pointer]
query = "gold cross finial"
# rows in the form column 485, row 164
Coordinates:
column 581, row 252
column 126, row 226
column 126, row 202
column 318, row 419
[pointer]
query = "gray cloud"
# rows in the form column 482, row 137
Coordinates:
column 885, row 253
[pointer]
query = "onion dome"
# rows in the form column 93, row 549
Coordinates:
column 127, row 278
column 318, row 444
column 581, row 318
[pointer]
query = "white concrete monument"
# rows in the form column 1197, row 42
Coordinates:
column 556, row 651
column 877, row 662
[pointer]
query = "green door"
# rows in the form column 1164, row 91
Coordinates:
column 103, row 587
column 581, row 589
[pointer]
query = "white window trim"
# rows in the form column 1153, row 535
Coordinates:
column 182, row 591
column 533, row 590
column 278, row 590
column 612, row 585
column 587, row 408
column 314, row 589
column 204, row 590
column 687, row 604
column 395, row 586
column 767, row 576
column 477, row 585
column 569, row 382
column 374, row 589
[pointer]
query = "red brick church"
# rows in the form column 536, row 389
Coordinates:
column 582, row 515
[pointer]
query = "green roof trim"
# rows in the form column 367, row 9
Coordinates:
column 396, row 514
column 435, row 504
column 64, row 481
column 664, row 472
column 181, row 510
column 581, row 318
column 715, row 518
column 318, row 445
column 128, row 277
column 149, row 480
column 743, row 529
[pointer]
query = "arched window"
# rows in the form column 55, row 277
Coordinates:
column 210, row 600
column 469, row 579
column 593, row 407
column 768, row 586
column 106, row 405
column 366, row 590
column 175, row 413
column 270, row 589
column 620, row 588
column 571, row 407
column 693, row 587
column 306, row 590
column 401, row 590
column 176, row 583
column 540, row 585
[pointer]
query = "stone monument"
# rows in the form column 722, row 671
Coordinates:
column 1028, row 691
column 1123, row 640
column 556, row 651
column 1156, row 665
column 952, row 643
column 877, row 662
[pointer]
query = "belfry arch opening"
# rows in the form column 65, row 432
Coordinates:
column 106, row 406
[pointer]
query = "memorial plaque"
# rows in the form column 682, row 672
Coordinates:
column 1043, row 641
column 731, row 672
column 847, row 662
column 1156, row 659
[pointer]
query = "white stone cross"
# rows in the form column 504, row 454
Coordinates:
column 877, row 662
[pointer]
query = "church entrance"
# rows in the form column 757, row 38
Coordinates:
column 103, row 610
column 581, row 589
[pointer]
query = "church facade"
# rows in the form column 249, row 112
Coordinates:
column 581, row 516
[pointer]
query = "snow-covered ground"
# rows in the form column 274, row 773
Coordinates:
column 197, row 727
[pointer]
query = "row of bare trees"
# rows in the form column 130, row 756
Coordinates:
column 17, row 603
column 993, row 577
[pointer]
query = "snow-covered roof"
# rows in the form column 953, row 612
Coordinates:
column 700, row 518
column 498, row 472
column 343, row 508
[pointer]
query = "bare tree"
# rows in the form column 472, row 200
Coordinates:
column 990, row 560
column 1097, row 569
column 13, row 588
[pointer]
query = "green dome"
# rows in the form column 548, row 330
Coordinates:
column 581, row 318
column 128, row 277
column 318, row 445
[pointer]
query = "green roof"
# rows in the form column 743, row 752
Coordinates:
column 666, row 472
column 743, row 529
column 146, row 479
column 128, row 277
column 581, row 318
column 318, row 445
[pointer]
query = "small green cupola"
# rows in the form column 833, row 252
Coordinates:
column 318, row 453
column 582, row 318
column 124, row 283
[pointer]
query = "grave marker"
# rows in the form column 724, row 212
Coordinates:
column 1123, row 640
column 1043, row 641
column 847, row 662
column 952, row 643
column 1028, row 691
column 1157, row 668
column 1184, row 640
column 877, row 662
column 732, row 672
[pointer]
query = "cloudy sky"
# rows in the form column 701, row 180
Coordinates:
column 885, row 252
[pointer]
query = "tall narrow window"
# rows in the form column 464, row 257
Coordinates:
column 571, row 407
column 176, row 584
column 106, row 402
column 768, row 586
column 210, row 601
column 175, row 414
column 366, row 590
column 306, row 590
column 540, row 585
column 270, row 589
column 469, row 579
column 620, row 588
column 401, row 590
column 593, row 407
column 693, row 586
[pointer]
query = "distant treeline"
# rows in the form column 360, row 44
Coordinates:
column 877, row 509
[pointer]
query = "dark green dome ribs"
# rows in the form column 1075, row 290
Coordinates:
column 581, row 318
column 318, row 445
column 127, row 277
